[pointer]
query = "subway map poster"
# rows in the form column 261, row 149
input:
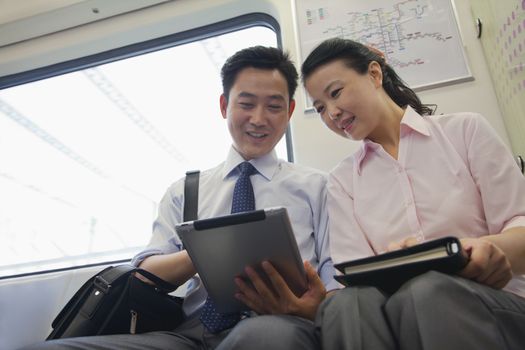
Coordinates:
column 420, row 38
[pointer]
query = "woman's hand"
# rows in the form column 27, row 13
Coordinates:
column 405, row 243
column 488, row 264
column 279, row 299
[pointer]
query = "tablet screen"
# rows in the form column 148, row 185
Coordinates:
column 221, row 247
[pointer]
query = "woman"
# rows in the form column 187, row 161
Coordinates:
column 415, row 178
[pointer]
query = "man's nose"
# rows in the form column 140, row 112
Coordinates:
column 258, row 116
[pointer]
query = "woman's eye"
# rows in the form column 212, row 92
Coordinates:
column 319, row 109
column 335, row 92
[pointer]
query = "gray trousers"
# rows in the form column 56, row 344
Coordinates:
column 433, row 312
column 259, row 333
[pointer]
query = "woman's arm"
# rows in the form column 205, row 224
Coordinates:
column 512, row 243
column 494, row 258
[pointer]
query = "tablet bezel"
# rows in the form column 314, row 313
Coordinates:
column 221, row 247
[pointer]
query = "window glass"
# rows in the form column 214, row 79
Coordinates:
column 86, row 156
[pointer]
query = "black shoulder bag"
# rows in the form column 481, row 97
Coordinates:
column 114, row 301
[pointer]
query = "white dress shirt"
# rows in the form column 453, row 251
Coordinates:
column 301, row 190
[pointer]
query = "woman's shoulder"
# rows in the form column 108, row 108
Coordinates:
column 459, row 120
column 464, row 126
column 342, row 174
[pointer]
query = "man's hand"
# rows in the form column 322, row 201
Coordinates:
column 488, row 264
column 281, row 300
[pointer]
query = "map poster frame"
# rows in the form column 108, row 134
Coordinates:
column 421, row 39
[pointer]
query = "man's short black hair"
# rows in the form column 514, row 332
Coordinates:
column 259, row 57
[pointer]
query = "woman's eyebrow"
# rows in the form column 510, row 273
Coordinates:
column 329, row 86
column 326, row 89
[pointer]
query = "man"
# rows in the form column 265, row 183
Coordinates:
column 257, row 103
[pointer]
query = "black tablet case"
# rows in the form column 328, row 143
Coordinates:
column 389, row 279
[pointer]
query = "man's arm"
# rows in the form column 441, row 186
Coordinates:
column 164, row 255
column 175, row 268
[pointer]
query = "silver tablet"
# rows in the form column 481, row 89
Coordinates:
column 221, row 247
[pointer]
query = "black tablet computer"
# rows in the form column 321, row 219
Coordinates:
column 221, row 247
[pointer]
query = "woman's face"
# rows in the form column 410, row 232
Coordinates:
column 347, row 101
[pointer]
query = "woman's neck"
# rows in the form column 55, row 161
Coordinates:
column 388, row 132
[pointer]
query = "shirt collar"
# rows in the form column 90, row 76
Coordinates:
column 266, row 165
column 411, row 121
column 414, row 121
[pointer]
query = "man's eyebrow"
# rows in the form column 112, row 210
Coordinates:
column 270, row 97
column 246, row 94
column 277, row 97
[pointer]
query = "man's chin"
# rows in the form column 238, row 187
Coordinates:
column 253, row 153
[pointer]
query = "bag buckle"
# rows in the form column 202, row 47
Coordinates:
column 102, row 284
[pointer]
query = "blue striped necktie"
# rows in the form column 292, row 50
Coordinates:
column 243, row 200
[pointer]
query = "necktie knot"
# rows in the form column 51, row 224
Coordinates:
column 247, row 169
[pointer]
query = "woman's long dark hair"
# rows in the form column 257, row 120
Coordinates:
column 358, row 57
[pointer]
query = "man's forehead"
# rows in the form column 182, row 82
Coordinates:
column 269, row 95
column 251, row 82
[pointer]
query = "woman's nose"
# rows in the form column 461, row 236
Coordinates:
column 334, row 114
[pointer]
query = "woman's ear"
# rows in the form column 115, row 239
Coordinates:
column 375, row 72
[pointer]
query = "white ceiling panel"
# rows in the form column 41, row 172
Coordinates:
column 23, row 20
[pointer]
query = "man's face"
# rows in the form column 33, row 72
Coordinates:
column 257, row 111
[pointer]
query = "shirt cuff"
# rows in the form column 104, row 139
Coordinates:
column 516, row 221
column 140, row 257
column 333, row 285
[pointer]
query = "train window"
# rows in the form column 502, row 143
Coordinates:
column 85, row 156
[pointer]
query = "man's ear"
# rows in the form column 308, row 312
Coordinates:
column 224, row 105
column 374, row 69
column 291, row 108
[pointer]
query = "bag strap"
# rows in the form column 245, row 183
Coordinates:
column 191, row 195
column 110, row 276
column 160, row 284
column 105, row 279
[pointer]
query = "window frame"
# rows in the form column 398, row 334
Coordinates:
column 136, row 49
column 127, row 51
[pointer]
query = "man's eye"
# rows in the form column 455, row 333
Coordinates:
column 335, row 92
column 246, row 105
column 275, row 107
column 320, row 109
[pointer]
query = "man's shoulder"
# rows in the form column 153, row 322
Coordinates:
column 205, row 176
column 302, row 170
